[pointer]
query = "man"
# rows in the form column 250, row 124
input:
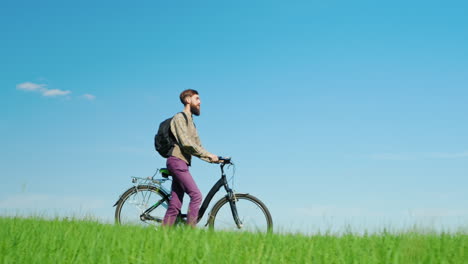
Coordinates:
column 185, row 132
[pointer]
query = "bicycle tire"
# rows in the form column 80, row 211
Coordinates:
column 136, row 200
column 253, row 213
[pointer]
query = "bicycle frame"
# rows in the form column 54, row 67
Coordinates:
column 230, row 196
column 220, row 183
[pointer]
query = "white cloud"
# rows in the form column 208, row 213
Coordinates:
column 29, row 86
column 55, row 92
column 89, row 97
column 41, row 88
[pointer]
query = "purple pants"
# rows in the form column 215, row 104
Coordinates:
column 182, row 182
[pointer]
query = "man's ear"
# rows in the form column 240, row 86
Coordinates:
column 188, row 100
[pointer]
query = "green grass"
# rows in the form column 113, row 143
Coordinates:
column 34, row 240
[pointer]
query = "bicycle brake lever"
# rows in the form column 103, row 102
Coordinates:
column 225, row 160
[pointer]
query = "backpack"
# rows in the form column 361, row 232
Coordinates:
column 164, row 140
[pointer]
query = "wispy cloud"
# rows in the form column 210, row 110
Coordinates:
column 88, row 97
column 29, row 86
column 55, row 92
column 420, row 155
column 41, row 88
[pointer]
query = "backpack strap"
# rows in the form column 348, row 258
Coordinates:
column 186, row 119
column 185, row 116
column 172, row 135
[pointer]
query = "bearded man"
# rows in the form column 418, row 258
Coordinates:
column 188, row 145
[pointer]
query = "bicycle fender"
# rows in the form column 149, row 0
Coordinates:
column 136, row 187
column 120, row 197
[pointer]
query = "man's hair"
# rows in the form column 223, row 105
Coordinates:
column 185, row 94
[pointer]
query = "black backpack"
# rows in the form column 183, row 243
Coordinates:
column 164, row 140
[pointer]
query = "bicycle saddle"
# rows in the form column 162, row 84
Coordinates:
column 165, row 172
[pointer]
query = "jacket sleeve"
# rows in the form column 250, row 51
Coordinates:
column 187, row 141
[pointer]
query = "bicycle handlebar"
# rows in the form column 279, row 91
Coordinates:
column 225, row 160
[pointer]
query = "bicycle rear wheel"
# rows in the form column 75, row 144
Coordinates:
column 142, row 205
column 253, row 214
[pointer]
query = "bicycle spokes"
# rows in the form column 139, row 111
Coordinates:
column 142, row 205
column 247, row 214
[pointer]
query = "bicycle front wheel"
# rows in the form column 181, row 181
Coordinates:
column 252, row 213
column 142, row 205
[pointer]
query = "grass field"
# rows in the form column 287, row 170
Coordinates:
column 35, row 240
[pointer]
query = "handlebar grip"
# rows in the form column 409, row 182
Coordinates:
column 225, row 159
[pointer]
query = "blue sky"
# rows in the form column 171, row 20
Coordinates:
column 337, row 114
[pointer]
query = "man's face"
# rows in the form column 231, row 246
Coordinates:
column 195, row 104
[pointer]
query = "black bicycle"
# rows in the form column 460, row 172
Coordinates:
column 147, row 201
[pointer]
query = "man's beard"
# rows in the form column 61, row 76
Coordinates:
column 195, row 110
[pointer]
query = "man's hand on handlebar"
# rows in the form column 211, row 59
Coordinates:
column 219, row 159
column 225, row 160
column 213, row 158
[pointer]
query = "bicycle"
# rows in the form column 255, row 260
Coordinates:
column 234, row 211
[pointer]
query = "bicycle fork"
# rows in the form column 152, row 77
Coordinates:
column 231, row 198
column 232, row 202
